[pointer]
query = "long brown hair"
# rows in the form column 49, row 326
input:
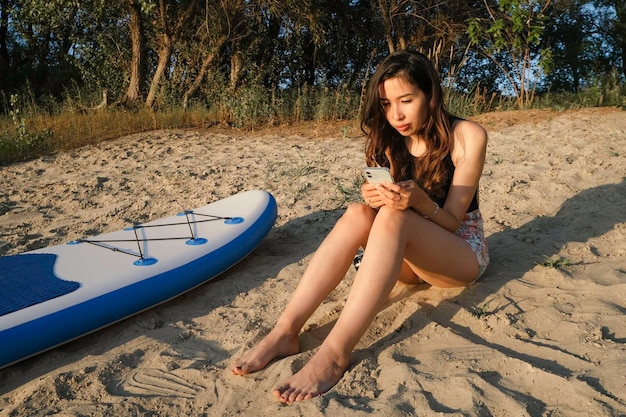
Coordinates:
column 386, row 147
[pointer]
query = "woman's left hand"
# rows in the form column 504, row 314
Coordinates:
column 398, row 195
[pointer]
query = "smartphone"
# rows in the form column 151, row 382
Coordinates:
column 375, row 175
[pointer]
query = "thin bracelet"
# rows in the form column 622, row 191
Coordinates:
column 434, row 212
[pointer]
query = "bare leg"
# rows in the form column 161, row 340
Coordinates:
column 327, row 268
column 393, row 236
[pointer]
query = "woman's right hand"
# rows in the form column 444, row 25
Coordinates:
column 371, row 195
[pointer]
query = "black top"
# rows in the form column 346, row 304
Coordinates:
column 446, row 188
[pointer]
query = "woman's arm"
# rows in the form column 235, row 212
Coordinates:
column 468, row 150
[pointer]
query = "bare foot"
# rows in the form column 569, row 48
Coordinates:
column 319, row 375
column 275, row 345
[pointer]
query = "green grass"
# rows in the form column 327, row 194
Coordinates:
column 557, row 262
column 481, row 311
column 351, row 193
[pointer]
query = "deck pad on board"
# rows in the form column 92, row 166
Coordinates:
column 28, row 279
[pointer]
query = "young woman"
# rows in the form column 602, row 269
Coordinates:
column 425, row 227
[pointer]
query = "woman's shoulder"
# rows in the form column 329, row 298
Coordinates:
column 467, row 136
column 466, row 128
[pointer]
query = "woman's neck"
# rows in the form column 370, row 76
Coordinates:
column 416, row 146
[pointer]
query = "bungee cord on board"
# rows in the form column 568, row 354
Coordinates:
column 191, row 240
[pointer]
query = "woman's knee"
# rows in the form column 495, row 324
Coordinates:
column 358, row 215
column 392, row 217
column 360, row 210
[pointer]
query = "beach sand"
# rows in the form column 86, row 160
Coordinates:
column 543, row 333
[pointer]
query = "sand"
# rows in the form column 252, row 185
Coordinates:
column 541, row 334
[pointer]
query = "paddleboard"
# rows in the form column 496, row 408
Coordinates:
column 53, row 295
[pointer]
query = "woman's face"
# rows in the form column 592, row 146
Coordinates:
column 404, row 104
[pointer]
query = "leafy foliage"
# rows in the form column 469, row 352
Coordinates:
column 267, row 61
column 511, row 37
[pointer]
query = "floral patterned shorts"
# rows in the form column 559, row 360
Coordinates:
column 471, row 229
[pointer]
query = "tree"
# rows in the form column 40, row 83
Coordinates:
column 43, row 32
column 211, row 34
column 138, row 48
column 616, row 28
column 510, row 37
column 390, row 13
column 171, row 19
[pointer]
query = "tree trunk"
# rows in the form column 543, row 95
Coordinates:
column 206, row 63
column 236, row 66
column 309, row 65
column 170, row 34
column 133, row 93
column 387, row 25
column 273, row 34
column 165, row 53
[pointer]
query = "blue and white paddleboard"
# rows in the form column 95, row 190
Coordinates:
column 53, row 295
